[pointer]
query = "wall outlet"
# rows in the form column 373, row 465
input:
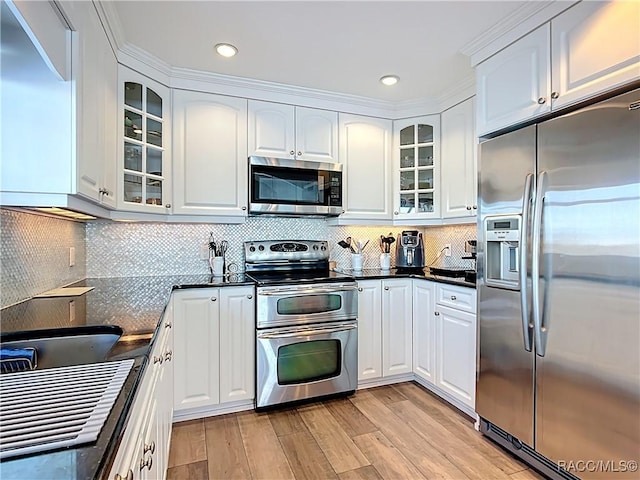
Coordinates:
column 72, row 256
column 447, row 249
column 204, row 251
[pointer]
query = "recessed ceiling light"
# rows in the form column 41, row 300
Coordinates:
column 390, row 79
column 226, row 49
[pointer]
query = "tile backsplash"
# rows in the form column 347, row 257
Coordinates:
column 34, row 254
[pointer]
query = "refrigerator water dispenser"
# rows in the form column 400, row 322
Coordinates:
column 502, row 251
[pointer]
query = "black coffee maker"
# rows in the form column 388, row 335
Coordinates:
column 410, row 250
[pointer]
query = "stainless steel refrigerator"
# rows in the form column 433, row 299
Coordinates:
column 559, row 291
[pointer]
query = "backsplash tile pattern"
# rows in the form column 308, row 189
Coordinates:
column 34, row 254
column 150, row 249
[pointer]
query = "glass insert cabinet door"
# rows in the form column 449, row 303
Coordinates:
column 144, row 147
column 417, row 167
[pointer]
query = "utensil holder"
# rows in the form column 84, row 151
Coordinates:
column 217, row 266
column 356, row 261
column 385, row 261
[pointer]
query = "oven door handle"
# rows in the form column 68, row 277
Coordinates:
column 307, row 291
column 307, row 333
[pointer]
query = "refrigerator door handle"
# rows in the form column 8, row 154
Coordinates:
column 524, row 233
column 539, row 331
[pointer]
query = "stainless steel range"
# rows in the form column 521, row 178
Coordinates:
column 306, row 322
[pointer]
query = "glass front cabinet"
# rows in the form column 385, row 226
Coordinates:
column 416, row 160
column 143, row 152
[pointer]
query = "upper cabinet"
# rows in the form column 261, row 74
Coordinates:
column 284, row 131
column 209, row 154
column 459, row 163
column 416, row 167
column 144, row 183
column 365, row 150
column 560, row 63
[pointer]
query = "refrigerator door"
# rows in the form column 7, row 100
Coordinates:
column 504, row 391
column 588, row 355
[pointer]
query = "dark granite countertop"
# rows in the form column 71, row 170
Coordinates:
column 134, row 303
column 376, row 273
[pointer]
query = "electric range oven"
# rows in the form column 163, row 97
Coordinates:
column 306, row 323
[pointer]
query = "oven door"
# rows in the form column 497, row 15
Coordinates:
column 313, row 303
column 305, row 362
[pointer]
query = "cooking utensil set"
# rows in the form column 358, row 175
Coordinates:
column 385, row 243
column 355, row 247
column 218, row 249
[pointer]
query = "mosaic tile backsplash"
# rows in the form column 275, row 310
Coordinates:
column 149, row 249
column 34, row 254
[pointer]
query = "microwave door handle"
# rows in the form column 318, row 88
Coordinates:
column 524, row 287
column 307, row 333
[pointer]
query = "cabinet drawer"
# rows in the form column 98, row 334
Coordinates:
column 452, row 296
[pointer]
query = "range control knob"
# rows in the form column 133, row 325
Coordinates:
column 323, row 248
column 315, row 247
column 252, row 248
column 261, row 248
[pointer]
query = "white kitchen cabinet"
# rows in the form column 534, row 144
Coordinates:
column 196, row 345
column 143, row 452
column 144, row 178
column 459, row 164
column 209, row 154
column 237, row 339
column 369, row 329
column 397, row 330
column 424, row 330
column 213, row 349
column 416, row 168
column 365, row 150
column 560, row 63
column 284, row 131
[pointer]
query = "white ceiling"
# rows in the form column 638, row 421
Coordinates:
column 338, row 46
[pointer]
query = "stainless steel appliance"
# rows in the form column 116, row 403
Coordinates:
column 410, row 250
column 559, row 291
column 306, row 322
column 281, row 186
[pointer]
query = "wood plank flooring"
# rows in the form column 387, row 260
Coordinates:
column 394, row 432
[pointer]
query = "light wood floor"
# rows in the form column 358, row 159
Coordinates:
column 392, row 432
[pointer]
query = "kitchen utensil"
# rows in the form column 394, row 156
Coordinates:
column 351, row 247
column 222, row 248
column 361, row 244
column 344, row 244
column 382, row 244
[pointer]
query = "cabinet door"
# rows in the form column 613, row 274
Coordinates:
column 237, row 340
column 514, row 84
column 165, row 390
column 144, row 183
column 416, row 168
column 365, row 149
column 271, row 130
column 456, row 348
column 369, row 329
column 595, row 47
column 424, row 330
column 209, row 154
column 396, row 327
column 459, row 178
column 316, row 135
column 196, row 364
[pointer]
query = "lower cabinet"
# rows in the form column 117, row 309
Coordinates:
column 384, row 328
column 144, row 451
column 445, row 340
column 214, row 348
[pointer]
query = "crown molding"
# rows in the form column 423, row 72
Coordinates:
column 111, row 23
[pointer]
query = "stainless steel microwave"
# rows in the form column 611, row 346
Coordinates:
column 282, row 186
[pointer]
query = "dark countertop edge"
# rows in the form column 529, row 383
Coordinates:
column 376, row 274
column 184, row 286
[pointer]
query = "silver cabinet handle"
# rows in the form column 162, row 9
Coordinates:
column 475, row 207
column 453, row 297
column 168, row 356
column 299, row 153
column 292, row 152
column 360, row 289
column 386, row 288
column 151, row 447
column 542, row 100
column 396, row 213
column 128, row 477
column 213, row 299
column 168, row 205
column 243, row 208
column 249, row 297
column 167, row 325
column 468, row 207
column 158, row 360
column 554, row 95
column 146, row 463
column 437, row 314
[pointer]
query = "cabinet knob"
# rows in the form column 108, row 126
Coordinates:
column 146, row 463
column 453, row 297
column 167, row 325
column 168, row 356
column 386, row 288
column 243, row 208
column 542, row 100
column 396, row 213
column 128, row 477
column 249, row 297
column 359, row 289
column 213, row 299
column 151, row 447
column 475, row 207
column 168, row 205
column 437, row 314
column 554, row 95
column 468, row 207
column 158, row 360
column 299, row 153
column 292, row 152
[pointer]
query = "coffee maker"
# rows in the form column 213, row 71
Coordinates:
column 410, row 250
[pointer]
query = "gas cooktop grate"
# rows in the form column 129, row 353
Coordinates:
column 57, row 407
